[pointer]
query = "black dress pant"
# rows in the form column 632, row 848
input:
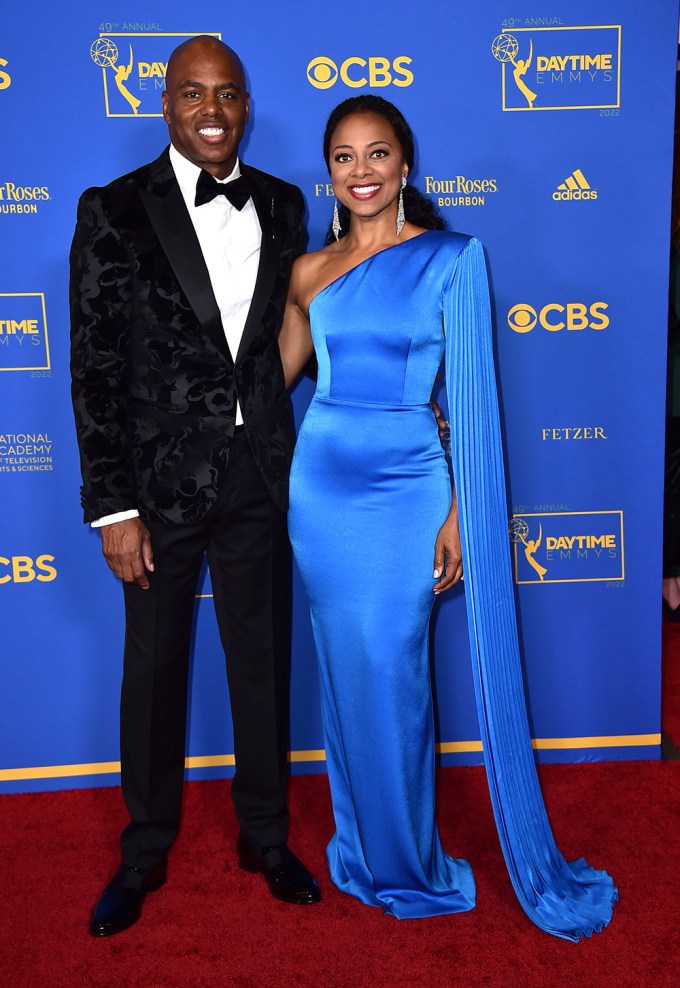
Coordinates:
column 245, row 537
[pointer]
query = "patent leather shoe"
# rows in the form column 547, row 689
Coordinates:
column 285, row 874
column 121, row 904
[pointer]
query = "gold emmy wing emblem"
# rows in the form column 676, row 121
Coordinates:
column 104, row 53
column 506, row 48
column 519, row 531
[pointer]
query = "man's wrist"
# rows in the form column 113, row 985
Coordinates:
column 112, row 519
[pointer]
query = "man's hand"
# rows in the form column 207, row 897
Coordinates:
column 444, row 427
column 127, row 549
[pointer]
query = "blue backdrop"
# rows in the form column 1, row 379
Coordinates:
column 551, row 140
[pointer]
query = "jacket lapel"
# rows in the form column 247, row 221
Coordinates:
column 270, row 249
column 165, row 207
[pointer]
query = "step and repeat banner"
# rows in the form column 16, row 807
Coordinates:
column 550, row 138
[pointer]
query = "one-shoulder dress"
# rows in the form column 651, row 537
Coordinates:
column 369, row 491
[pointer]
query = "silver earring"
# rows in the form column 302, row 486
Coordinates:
column 336, row 221
column 401, row 219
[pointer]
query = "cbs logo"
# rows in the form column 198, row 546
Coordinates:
column 356, row 72
column 23, row 569
column 574, row 315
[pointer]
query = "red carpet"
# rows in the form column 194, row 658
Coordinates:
column 670, row 687
column 213, row 925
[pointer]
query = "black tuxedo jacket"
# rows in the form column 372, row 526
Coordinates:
column 154, row 384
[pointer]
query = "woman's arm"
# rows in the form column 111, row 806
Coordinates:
column 295, row 338
column 447, row 547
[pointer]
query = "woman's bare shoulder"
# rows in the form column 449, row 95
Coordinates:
column 307, row 265
column 309, row 274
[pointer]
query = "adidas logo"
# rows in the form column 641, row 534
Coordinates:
column 574, row 187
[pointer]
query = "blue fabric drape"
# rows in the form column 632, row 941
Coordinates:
column 567, row 900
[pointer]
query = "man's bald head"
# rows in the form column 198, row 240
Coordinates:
column 202, row 44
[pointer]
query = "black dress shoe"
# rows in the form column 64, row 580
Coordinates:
column 285, row 874
column 121, row 904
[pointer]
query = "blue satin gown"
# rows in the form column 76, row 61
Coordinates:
column 369, row 491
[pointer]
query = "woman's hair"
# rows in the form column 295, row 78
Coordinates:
column 417, row 208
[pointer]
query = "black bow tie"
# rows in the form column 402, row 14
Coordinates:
column 237, row 192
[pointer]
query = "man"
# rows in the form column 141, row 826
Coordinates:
column 186, row 436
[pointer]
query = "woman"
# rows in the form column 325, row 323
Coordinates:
column 370, row 498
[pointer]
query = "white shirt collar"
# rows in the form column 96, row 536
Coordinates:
column 186, row 172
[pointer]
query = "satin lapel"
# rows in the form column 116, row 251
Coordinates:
column 266, row 273
column 173, row 227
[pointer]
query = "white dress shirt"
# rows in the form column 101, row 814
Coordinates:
column 230, row 241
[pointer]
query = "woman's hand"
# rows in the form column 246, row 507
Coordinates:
column 448, row 559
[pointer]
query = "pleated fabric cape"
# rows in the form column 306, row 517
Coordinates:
column 567, row 900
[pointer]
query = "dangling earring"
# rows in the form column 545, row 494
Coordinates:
column 336, row 221
column 401, row 219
